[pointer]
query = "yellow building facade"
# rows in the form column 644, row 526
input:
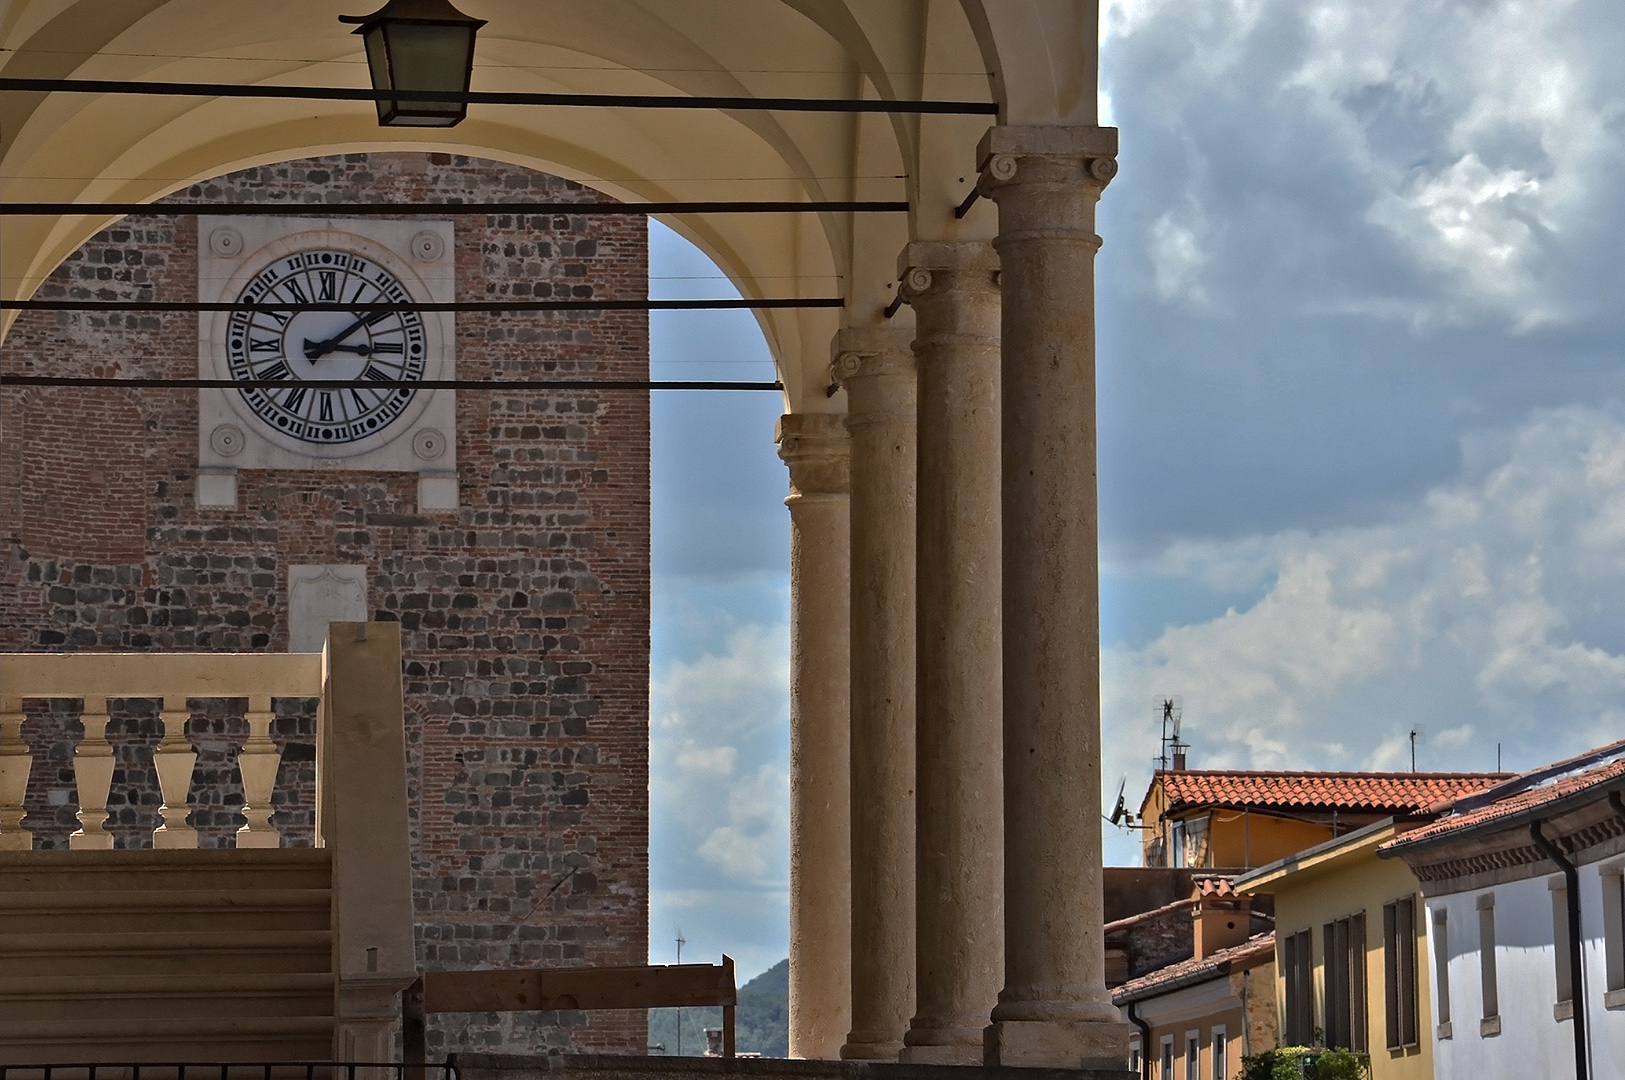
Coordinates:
column 1350, row 941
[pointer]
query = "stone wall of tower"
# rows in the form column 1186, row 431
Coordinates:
column 524, row 614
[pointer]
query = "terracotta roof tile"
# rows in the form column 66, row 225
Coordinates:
column 1525, row 791
column 1215, row 885
column 1385, row 793
column 1193, row 971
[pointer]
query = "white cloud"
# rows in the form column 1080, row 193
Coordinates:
column 1478, row 140
column 1484, row 611
column 719, row 776
column 1177, row 261
column 753, row 845
column 1470, row 220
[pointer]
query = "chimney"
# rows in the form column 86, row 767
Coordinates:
column 1222, row 919
column 1179, row 761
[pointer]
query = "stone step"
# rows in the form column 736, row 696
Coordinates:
column 161, row 871
column 147, row 911
column 64, row 1042
column 90, row 999
column 135, row 956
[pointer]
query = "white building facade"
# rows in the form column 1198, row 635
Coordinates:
column 1513, row 997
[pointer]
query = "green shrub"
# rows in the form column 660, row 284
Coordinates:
column 1306, row 1063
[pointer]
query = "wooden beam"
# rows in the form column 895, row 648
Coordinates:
column 533, row 990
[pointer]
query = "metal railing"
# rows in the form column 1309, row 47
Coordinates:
column 233, row 1070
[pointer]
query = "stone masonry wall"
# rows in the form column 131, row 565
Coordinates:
column 524, row 615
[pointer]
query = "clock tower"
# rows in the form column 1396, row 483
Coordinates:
column 507, row 531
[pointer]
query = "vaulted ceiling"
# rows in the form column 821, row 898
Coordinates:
column 1036, row 58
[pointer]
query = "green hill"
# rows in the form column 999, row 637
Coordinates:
column 762, row 1022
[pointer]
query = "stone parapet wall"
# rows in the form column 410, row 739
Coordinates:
column 524, row 614
column 612, row 1067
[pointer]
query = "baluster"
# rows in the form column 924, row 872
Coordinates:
column 93, row 772
column 174, row 760
column 15, row 764
column 258, row 764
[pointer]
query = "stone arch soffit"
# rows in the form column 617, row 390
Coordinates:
column 735, row 244
column 639, row 159
column 1044, row 56
column 641, row 52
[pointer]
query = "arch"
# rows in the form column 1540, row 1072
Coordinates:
column 61, row 147
column 1041, row 56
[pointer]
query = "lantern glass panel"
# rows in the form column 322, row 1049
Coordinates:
column 420, row 56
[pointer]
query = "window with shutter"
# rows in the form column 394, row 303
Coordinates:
column 1489, row 989
column 1399, row 973
column 1441, row 970
column 1296, row 966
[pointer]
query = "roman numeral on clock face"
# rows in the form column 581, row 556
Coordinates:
column 298, row 350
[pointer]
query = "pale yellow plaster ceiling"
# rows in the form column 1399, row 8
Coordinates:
column 1037, row 54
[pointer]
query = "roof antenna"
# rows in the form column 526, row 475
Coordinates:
column 1418, row 730
column 1172, row 710
column 681, row 941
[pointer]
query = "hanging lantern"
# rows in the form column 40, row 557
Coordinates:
column 419, row 45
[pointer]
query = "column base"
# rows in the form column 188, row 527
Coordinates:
column 1057, row 1044
column 876, row 1051
column 958, row 1054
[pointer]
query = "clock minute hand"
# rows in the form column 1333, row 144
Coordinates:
column 315, row 350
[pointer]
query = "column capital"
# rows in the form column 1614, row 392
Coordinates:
column 1012, row 154
column 923, row 266
column 818, row 452
column 875, row 365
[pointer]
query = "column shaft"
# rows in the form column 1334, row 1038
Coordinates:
column 1054, row 1009
column 815, row 448
column 877, row 368
column 959, row 812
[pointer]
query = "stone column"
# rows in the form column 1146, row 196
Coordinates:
column 959, row 837
column 815, row 447
column 877, row 368
column 1054, row 1009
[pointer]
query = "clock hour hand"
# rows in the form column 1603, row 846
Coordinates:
column 315, row 350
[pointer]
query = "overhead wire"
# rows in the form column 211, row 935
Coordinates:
column 498, row 97
column 505, row 385
column 497, row 307
column 485, row 63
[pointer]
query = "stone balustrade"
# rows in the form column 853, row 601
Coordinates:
column 172, row 679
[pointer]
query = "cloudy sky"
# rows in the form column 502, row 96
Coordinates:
column 1362, row 424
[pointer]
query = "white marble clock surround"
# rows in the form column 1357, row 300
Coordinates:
column 231, row 437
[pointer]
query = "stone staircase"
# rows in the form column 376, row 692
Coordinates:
column 166, row 956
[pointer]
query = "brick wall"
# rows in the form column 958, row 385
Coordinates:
column 524, row 616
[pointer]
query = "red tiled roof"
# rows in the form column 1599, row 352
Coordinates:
column 1193, row 971
column 1215, row 885
column 1527, row 791
column 1385, row 793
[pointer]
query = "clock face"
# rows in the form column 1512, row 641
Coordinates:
column 310, row 350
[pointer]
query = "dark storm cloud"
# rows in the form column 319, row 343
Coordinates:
column 1343, row 235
